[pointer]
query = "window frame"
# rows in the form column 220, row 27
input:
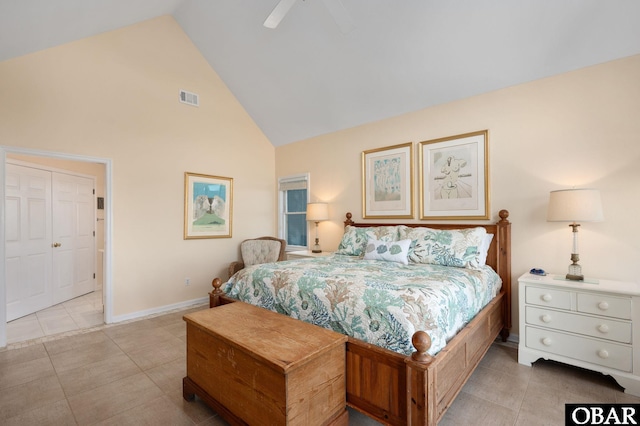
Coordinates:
column 282, row 214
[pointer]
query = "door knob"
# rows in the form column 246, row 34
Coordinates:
column 56, row 245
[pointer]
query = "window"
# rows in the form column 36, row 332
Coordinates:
column 293, row 196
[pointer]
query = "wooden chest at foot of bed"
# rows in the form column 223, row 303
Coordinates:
column 253, row 366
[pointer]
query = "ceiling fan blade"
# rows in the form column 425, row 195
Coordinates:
column 340, row 15
column 279, row 12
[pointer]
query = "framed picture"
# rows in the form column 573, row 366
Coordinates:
column 387, row 182
column 208, row 202
column 454, row 177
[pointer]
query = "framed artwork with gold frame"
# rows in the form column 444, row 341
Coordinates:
column 454, row 177
column 387, row 182
column 208, row 206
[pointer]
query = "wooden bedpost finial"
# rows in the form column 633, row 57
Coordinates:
column 214, row 296
column 348, row 221
column 216, row 283
column 504, row 215
column 422, row 342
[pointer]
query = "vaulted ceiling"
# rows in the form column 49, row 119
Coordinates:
column 307, row 77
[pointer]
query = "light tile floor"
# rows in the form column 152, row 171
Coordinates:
column 69, row 317
column 131, row 374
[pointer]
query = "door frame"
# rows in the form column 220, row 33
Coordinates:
column 108, row 228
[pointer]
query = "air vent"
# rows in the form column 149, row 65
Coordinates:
column 189, row 98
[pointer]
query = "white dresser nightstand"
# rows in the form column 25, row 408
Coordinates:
column 305, row 253
column 593, row 324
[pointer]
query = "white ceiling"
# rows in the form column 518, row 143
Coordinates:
column 307, row 78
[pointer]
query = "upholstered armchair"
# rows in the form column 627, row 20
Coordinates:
column 259, row 250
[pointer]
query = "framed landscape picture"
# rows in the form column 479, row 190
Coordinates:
column 454, row 177
column 208, row 202
column 387, row 182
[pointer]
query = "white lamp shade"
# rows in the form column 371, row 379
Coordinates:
column 317, row 212
column 575, row 205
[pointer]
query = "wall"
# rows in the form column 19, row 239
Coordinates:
column 577, row 129
column 115, row 96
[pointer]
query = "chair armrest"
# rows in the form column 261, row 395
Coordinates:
column 235, row 267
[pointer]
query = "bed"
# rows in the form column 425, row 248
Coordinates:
column 387, row 379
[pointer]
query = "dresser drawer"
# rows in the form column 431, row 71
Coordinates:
column 604, row 328
column 594, row 351
column 604, row 304
column 548, row 297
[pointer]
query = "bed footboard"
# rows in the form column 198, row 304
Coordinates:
column 379, row 381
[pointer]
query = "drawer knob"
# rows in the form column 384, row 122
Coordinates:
column 546, row 341
column 603, row 328
column 603, row 306
column 603, row 354
column 546, row 297
column 546, row 318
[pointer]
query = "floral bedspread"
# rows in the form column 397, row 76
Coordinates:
column 382, row 303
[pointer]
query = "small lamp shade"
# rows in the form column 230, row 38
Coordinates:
column 317, row 212
column 575, row 205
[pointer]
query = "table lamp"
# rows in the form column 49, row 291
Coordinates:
column 575, row 205
column 317, row 212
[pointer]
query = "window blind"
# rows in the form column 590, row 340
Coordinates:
column 291, row 184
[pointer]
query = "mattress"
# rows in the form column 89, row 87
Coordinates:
column 382, row 303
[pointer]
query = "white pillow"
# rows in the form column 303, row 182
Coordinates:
column 484, row 249
column 394, row 251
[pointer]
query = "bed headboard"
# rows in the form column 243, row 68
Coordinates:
column 498, row 257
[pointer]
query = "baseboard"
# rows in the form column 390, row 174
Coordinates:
column 161, row 309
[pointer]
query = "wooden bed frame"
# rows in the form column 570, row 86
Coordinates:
column 417, row 390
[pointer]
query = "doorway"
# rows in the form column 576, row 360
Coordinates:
column 103, row 296
column 50, row 236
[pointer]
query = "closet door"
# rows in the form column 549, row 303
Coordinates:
column 28, row 240
column 73, row 236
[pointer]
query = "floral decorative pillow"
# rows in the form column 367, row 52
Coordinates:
column 394, row 251
column 355, row 239
column 446, row 247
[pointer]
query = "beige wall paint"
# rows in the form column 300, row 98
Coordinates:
column 577, row 129
column 115, row 96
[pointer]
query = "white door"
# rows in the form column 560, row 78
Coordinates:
column 50, row 247
column 73, row 236
column 28, row 240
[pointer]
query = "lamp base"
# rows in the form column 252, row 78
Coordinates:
column 316, row 247
column 575, row 270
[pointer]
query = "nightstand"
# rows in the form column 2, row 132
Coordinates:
column 593, row 324
column 305, row 253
